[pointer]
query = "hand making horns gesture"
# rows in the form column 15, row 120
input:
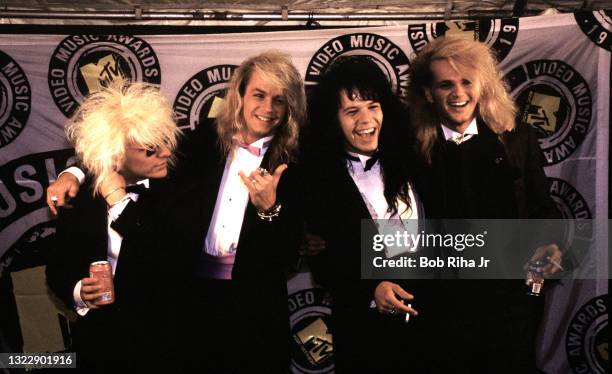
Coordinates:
column 262, row 186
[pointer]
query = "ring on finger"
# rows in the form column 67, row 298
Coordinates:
column 54, row 200
column 392, row 311
column 262, row 172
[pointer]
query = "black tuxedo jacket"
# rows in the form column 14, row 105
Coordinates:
column 136, row 326
column 487, row 177
column 337, row 212
column 265, row 251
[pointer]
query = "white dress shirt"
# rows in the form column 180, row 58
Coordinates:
column 371, row 186
column 114, row 243
column 458, row 137
column 232, row 199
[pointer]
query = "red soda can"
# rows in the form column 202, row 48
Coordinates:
column 103, row 271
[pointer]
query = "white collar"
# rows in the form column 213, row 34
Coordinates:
column 362, row 158
column 144, row 182
column 257, row 148
column 472, row 129
column 263, row 143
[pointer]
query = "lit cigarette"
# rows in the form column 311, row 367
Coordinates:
column 556, row 263
column 408, row 314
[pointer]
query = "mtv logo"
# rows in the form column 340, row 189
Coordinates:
column 99, row 74
column 541, row 111
column 463, row 29
column 315, row 341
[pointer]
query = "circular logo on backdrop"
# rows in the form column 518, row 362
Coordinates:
column 15, row 99
column 82, row 64
column 586, row 342
column 388, row 55
column 577, row 223
column 201, row 97
column 597, row 26
column 556, row 100
column 312, row 343
column 569, row 201
column 498, row 34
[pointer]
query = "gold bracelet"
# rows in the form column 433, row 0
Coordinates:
column 267, row 215
column 113, row 191
column 118, row 201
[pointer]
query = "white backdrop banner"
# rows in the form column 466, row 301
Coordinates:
column 558, row 68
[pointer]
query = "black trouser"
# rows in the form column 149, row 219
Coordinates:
column 463, row 327
column 227, row 332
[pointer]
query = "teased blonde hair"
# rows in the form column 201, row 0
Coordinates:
column 276, row 68
column 108, row 120
column 495, row 106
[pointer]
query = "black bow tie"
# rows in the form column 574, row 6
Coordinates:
column 369, row 163
column 136, row 188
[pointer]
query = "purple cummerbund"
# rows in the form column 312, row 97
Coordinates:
column 214, row 267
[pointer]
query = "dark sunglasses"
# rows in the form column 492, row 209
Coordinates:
column 149, row 151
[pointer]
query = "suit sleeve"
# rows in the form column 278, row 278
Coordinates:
column 286, row 229
column 65, row 266
column 537, row 186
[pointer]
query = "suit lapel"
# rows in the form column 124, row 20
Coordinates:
column 349, row 196
column 98, row 224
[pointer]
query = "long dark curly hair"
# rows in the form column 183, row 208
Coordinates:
column 324, row 140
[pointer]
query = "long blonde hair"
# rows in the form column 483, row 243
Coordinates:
column 495, row 107
column 276, row 68
column 115, row 116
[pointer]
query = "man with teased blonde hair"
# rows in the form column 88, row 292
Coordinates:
column 117, row 121
column 123, row 136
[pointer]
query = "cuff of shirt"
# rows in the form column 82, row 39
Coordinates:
column 115, row 211
column 78, row 173
column 79, row 305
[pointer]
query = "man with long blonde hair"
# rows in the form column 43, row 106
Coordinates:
column 250, row 231
column 481, row 164
column 476, row 92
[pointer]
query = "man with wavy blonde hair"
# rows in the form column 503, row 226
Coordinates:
column 251, row 232
column 276, row 69
column 480, row 165
column 477, row 90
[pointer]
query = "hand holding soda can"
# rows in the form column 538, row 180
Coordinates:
column 103, row 271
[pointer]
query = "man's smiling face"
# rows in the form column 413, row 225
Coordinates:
column 361, row 121
column 454, row 93
column 264, row 108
